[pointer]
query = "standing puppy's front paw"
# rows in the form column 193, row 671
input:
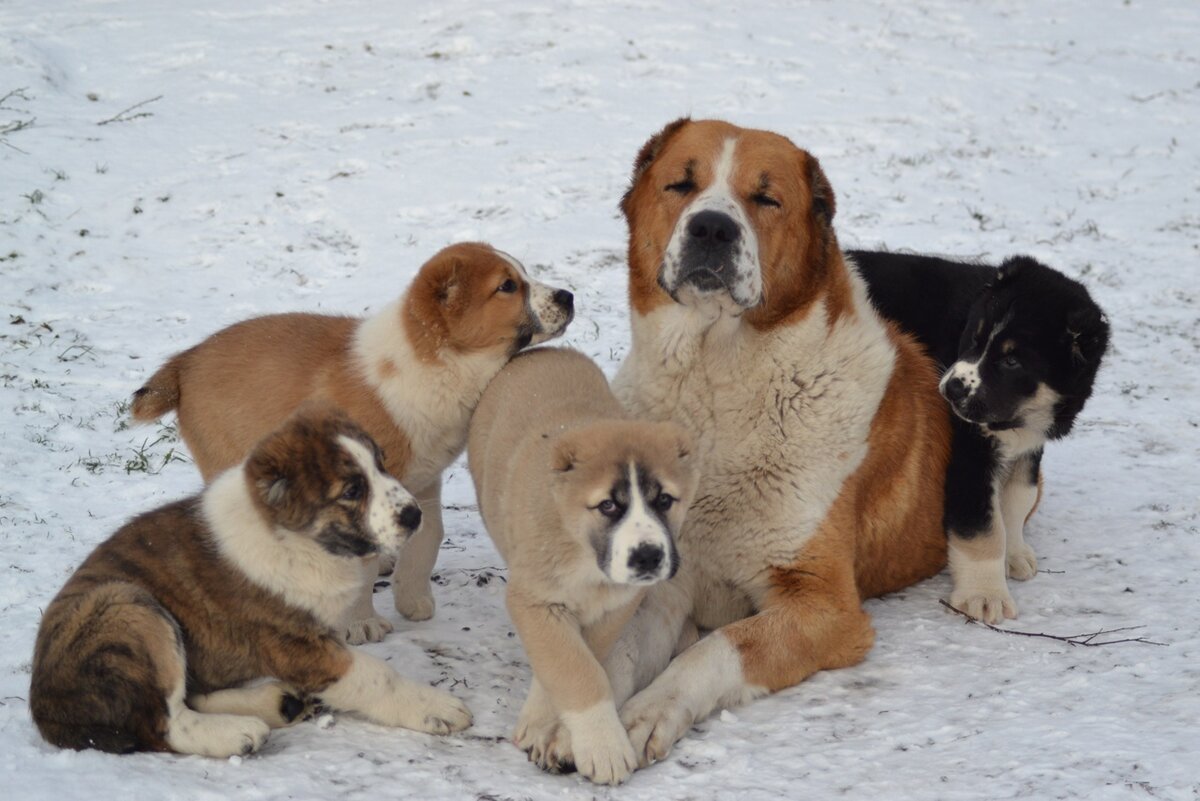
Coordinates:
column 370, row 629
column 602, row 751
column 1022, row 563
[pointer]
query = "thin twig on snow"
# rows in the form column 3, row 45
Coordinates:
column 1087, row 640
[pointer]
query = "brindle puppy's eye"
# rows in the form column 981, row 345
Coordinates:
column 763, row 199
column 508, row 287
column 684, row 187
column 608, row 508
column 663, row 502
column 354, row 489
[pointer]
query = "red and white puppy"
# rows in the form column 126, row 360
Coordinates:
column 410, row 375
column 822, row 440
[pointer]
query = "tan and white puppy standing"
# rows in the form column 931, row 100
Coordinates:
column 411, row 375
column 821, row 438
column 583, row 504
column 149, row 644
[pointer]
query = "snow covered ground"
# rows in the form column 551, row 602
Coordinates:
column 169, row 168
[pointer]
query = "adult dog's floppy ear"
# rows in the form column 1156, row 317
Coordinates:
column 648, row 153
column 824, row 204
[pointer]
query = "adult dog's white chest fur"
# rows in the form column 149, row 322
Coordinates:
column 781, row 419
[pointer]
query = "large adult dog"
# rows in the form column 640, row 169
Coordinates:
column 822, row 440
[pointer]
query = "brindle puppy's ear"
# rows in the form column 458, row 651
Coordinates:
column 824, row 205
column 275, row 473
column 648, row 154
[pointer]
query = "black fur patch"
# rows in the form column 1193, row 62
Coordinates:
column 1046, row 321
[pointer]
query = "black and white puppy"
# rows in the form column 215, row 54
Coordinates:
column 1021, row 345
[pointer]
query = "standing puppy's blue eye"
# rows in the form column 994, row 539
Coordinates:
column 608, row 508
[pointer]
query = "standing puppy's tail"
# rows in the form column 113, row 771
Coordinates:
column 159, row 395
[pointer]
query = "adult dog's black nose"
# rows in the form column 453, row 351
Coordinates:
column 564, row 298
column 713, row 229
column 645, row 559
column 954, row 390
column 410, row 517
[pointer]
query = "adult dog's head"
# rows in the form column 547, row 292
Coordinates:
column 739, row 216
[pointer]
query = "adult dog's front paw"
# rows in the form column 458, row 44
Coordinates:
column 369, row 629
column 991, row 605
column 655, row 722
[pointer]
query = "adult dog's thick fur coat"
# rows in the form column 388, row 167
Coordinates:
column 821, row 438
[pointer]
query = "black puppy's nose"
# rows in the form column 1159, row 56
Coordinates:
column 564, row 298
column 713, row 228
column 410, row 517
column 645, row 558
column 954, row 390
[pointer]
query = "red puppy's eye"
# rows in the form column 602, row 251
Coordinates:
column 508, row 287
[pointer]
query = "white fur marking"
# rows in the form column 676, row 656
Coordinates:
column 720, row 196
column 296, row 568
column 387, row 498
column 638, row 527
column 208, row 735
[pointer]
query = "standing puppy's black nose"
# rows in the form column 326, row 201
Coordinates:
column 645, row 559
column 410, row 517
column 954, row 390
column 713, row 229
column 565, row 299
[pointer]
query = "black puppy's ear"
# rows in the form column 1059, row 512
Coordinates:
column 1087, row 333
column 1010, row 268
